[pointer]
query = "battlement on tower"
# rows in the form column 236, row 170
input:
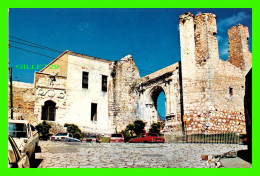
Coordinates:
column 199, row 43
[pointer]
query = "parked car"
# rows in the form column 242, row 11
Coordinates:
column 25, row 136
column 148, row 138
column 116, row 137
column 66, row 137
column 91, row 138
column 16, row 159
column 243, row 137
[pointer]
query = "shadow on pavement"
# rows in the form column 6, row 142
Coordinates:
column 245, row 155
column 35, row 163
column 38, row 149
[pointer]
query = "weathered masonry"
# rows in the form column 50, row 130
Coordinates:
column 213, row 89
column 23, row 101
column 202, row 92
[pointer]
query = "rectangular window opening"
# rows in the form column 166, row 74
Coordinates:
column 104, row 83
column 93, row 112
column 85, row 80
column 231, row 91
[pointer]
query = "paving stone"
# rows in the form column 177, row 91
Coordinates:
column 168, row 155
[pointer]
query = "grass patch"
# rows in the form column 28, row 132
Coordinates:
column 104, row 139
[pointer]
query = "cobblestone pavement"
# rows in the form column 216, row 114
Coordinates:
column 106, row 155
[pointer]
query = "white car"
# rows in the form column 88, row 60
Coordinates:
column 15, row 158
column 25, row 136
column 66, row 137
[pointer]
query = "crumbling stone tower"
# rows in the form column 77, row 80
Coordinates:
column 122, row 101
column 212, row 89
column 239, row 54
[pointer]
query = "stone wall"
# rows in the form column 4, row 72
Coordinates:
column 53, row 88
column 149, row 87
column 213, row 94
column 122, row 97
column 239, row 54
column 23, row 101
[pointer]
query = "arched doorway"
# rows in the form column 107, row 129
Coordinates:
column 158, row 97
column 49, row 110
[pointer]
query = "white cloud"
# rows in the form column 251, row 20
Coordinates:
column 226, row 23
column 223, row 26
column 223, row 50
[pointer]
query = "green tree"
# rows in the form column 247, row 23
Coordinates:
column 139, row 127
column 74, row 130
column 43, row 130
column 130, row 127
column 126, row 134
column 155, row 128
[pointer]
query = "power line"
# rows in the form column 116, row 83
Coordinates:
column 43, row 55
column 31, row 51
column 51, row 49
column 48, row 48
column 81, row 65
column 35, row 44
column 53, row 57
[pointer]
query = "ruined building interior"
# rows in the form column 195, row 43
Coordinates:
column 202, row 92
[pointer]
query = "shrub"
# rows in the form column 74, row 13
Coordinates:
column 126, row 134
column 139, row 127
column 43, row 130
column 155, row 128
column 130, row 127
column 74, row 130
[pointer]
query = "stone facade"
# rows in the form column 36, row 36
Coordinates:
column 50, row 88
column 150, row 86
column 73, row 102
column 239, row 54
column 203, row 94
column 213, row 93
column 123, row 99
column 23, row 101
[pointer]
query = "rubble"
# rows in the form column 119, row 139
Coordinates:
column 213, row 161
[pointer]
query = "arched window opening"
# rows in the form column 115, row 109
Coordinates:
column 49, row 111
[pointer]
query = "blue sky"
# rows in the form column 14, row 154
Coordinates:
column 151, row 36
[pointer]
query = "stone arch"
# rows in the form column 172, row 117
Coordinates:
column 155, row 92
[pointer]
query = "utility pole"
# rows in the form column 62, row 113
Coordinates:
column 11, row 93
